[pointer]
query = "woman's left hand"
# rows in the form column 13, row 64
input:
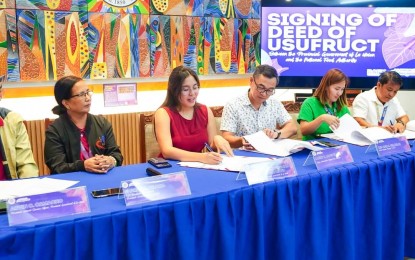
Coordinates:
column 222, row 145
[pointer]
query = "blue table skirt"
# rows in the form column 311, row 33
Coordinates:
column 362, row 210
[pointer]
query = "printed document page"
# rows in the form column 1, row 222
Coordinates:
column 350, row 131
column 26, row 187
column 233, row 164
column 281, row 147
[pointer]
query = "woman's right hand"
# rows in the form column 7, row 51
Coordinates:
column 332, row 121
column 211, row 158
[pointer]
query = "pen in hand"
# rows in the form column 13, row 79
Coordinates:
column 208, row 147
column 393, row 128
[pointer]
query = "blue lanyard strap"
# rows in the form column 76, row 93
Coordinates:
column 380, row 122
column 328, row 110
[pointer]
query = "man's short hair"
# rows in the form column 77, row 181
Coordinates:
column 390, row 76
column 267, row 71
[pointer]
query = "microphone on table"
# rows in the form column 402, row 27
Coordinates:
column 153, row 172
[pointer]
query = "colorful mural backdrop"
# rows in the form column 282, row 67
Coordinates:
column 9, row 55
column 119, row 6
column 52, row 5
column 118, row 45
column 52, row 44
column 100, row 39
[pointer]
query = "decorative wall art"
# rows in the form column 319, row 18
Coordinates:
column 44, row 40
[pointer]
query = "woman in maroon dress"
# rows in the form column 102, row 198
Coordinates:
column 183, row 126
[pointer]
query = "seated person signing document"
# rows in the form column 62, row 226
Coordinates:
column 255, row 111
column 183, row 126
column 379, row 106
column 320, row 113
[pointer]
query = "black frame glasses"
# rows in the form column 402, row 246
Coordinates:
column 83, row 94
column 262, row 90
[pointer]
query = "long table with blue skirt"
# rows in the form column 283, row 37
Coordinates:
column 360, row 210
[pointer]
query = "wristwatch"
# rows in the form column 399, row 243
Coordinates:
column 278, row 133
column 400, row 121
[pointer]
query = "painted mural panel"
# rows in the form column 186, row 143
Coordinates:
column 52, row 5
column 9, row 55
column 230, row 45
column 52, row 44
column 232, row 8
column 119, row 6
column 193, row 43
column 166, row 47
column 121, row 40
column 177, row 7
column 219, row 8
column 144, row 46
column 247, row 8
column 252, row 44
column 255, row 9
column 114, row 43
column 7, row 4
column 223, row 54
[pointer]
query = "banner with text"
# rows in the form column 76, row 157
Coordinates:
column 307, row 41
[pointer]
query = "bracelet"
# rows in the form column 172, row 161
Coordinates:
column 114, row 161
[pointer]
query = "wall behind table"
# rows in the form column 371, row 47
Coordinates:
column 40, row 107
column 32, row 108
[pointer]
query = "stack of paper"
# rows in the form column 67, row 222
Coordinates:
column 281, row 147
column 233, row 164
column 350, row 131
column 26, row 187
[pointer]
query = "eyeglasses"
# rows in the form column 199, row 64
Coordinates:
column 83, row 94
column 186, row 90
column 262, row 90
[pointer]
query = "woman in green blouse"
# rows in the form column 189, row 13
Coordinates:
column 320, row 113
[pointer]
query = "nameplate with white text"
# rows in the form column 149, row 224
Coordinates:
column 332, row 157
column 392, row 146
column 270, row 170
column 154, row 188
column 31, row 208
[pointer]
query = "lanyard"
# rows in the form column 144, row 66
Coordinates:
column 380, row 122
column 328, row 110
column 84, row 154
column 85, row 151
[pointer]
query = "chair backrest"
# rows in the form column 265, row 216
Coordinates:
column 126, row 132
column 217, row 113
column 293, row 108
column 148, row 143
column 36, row 132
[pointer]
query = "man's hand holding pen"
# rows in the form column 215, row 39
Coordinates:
column 395, row 128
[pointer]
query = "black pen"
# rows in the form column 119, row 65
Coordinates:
column 208, row 147
column 392, row 126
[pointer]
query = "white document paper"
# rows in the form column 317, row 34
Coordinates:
column 409, row 134
column 281, row 147
column 26, row 187
column 233, row 164
column 350, row 131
